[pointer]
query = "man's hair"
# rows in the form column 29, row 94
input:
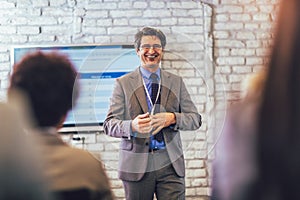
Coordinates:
column 149, row 31
column 48, row 80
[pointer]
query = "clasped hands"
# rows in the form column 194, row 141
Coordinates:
column 146, row 123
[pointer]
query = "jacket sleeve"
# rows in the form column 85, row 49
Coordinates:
column 115, row 124
column 187, row 118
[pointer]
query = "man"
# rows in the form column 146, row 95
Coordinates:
column 49, row 83
column 147, row 113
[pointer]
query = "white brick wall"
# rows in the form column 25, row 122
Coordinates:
column 213, row 45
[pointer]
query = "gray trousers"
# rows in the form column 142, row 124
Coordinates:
column 160, row 179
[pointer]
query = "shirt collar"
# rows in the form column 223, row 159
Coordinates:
column 146, row 74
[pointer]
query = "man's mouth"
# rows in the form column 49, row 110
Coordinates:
column 152, row 56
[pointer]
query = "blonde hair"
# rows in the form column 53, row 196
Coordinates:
column 253, row 85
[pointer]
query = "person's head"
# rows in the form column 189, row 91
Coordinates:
column 49, row 82
column 279, row 117
column 149, row 44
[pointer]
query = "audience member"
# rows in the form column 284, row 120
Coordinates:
column 278, row 140
column 260, row 146
column 20, row 173
column 49, row 82
column 234, row 166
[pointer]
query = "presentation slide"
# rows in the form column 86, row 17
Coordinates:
column 98, row 67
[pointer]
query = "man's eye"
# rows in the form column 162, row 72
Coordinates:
column 156, row 46
column 148, row 46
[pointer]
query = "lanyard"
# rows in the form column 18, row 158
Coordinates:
column 149, row 98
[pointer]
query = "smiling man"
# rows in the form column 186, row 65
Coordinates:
column 148, row 108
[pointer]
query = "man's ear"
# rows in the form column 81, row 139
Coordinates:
column 137, row 51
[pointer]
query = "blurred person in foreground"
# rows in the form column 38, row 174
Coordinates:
column 276, row 146
column 20, row 170
column 149, row 107
column 234, row 166
column 49, row 81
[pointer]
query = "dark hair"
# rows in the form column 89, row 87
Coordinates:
column 279, row 117
column 149, row 31
column 49, row 82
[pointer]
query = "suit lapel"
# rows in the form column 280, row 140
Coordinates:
column 166, row 88
column 136, row 84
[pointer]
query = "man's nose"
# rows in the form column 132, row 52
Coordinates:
column 151, row 50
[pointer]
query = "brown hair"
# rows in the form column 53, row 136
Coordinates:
column 279, row 117
column 49, row 82
column 151, row 32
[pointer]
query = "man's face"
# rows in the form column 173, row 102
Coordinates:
column 150, row 52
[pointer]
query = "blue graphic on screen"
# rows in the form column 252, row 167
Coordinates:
column 98, row 66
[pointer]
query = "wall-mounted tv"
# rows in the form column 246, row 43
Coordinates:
column 98, row 66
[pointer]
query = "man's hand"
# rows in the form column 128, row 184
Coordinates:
column 161, row 120
column 141, row 124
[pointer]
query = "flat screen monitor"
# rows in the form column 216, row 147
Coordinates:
column 98, row 67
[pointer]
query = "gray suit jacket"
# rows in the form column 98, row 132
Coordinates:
column 129, row 100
